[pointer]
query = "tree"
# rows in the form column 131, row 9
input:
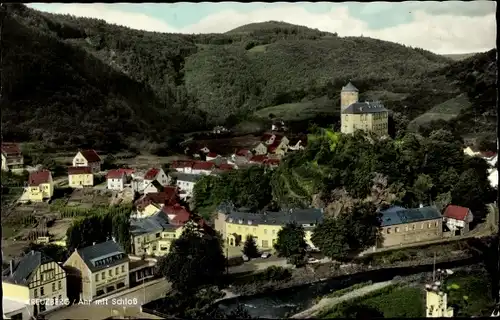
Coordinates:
column 101, row 225
column 443, row 200
column 473, row 191
column 250, row 248
column 422, row 188
column 291, row 243
column 351, row 232
column 195, row 260
column 58, row 253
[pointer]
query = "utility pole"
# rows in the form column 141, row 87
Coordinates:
column 227, row 260
column 434, row 269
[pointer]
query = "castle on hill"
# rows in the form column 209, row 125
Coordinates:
column 366, row 116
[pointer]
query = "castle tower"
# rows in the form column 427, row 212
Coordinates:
column 348, row 96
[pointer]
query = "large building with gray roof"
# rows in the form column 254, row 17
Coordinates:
column 370, row 116
column 235, row 224
column 401, row 226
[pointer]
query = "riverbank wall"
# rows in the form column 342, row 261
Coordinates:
column 356, row 274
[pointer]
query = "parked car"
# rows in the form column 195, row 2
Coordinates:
column 245, row 258
column 265, row 255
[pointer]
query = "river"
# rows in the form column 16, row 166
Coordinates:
column 282, row 303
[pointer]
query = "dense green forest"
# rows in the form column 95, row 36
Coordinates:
column 335, row 172
column 80, row 81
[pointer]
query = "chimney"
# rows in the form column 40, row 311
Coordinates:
column 11, row 267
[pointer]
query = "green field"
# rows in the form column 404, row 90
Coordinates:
column 445, row 111
column 471, row 293
column 299, row 111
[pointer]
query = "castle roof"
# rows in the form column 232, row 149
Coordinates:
column 365, row 107
column 349, row 88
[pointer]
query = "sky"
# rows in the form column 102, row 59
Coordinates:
column 447, row 27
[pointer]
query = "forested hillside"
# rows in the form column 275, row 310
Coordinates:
column 81, row 81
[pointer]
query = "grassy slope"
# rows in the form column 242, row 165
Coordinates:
column 447, row 110
column 409, row 302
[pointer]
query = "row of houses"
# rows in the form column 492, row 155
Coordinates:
column 36, row 284
column 399, row 226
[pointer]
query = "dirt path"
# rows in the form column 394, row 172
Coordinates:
column 330, row 302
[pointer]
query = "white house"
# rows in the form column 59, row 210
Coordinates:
column 472, row 151
column 88, row 158
column 260, row 149
column 186, row 183
column 153, row 187
column 212, row 156
column 156, row 174
column 116, row 180
column 458, row 218
column 493, row 177
column 184, row 166
column 203, row 167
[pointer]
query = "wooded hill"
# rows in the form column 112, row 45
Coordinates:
column 79, row 81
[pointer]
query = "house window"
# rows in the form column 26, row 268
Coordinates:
column 428, row 225
column 36, row 293
column 158, row 235
column 53, row 286
column 97, row 277
column 265, row 231
column 406, row 228
column 123, row 268
column 274, row 231
column 413, row 226
column 422, row 226
column 110, row 272
column 436, row 224
column 117, row 271
column 388, row 230
column 103, row 275
column 265, row 243
column 60, row 298
column 396, row 229
column 41, row 291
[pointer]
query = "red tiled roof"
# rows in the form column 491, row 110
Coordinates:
column 266, row 137
column 488, row 154
column 151, row 174
column 79, row 170
column 203, row 165
column 127, row 171
column 39, row 177
column 272, row 161
column 169, row 196
column 90, row 155
column 115, row 174
column 272, row 147
column 456, row 212
column 259, row 158
column 242, row 152
column 226, row 166
column 181, row 215
column 212, row 155
column 182, row 164
column 11, row 148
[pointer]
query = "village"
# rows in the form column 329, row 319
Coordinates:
column 159, row 199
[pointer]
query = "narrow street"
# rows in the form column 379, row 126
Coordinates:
column 127, row 304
